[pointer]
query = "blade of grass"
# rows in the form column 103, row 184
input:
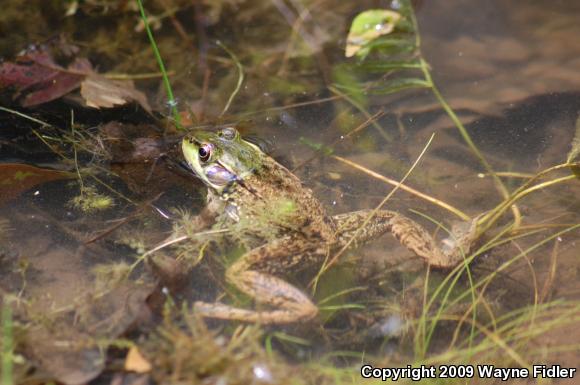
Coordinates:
column 511, row 261
column 497, row 213
column 25, row 116
column 467, row 138
column 172, row 102
column 462, row 267
column 341, row 293
column 455, row 119
column 363, row 110
column 404, row 187
column 491, row 217
column 550, row 279
column 422, row 340
column 240, row 76
column 329, row 149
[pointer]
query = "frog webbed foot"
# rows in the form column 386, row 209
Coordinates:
column 462, row 236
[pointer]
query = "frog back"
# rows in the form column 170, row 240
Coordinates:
column 274, row 195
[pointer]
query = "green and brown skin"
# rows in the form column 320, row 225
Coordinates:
column 243, row 182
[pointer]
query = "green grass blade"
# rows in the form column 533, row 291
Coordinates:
column 172, row 101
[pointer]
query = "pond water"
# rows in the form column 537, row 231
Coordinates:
column 88, row 195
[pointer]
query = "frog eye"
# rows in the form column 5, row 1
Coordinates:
column 205, row 152
column 228, row 133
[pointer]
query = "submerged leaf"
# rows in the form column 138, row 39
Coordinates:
column 70, row 356
column 100, row 92
column 56, row 86
column 16, row 178
column 35, row 78
column 36, row 75
column 69, row 347
column 368, row 26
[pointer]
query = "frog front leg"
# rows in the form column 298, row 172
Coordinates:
column 256, row 275
column 409, row 233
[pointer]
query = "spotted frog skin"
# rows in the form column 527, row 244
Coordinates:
column 288, row 227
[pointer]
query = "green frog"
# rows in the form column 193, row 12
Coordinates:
column 288, row 227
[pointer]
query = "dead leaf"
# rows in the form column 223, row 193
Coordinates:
column 68, row 348
column 37, row 78
column 135, row 362
column 36, row 75
column 100, row 92
column 15, row 178
column 63, row 82
column 69, row 356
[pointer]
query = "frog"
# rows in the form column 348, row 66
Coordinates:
column 290, row 228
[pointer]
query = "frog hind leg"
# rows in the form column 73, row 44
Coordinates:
column 409, row 233
column 254, row 275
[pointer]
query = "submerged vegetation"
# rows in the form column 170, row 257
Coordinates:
column 127, row 308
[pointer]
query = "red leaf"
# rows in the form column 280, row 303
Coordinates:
column 36, row 74
column 23, row 76
column 37, row 79
column 55, row 87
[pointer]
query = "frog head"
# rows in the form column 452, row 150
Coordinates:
column 220, row 157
